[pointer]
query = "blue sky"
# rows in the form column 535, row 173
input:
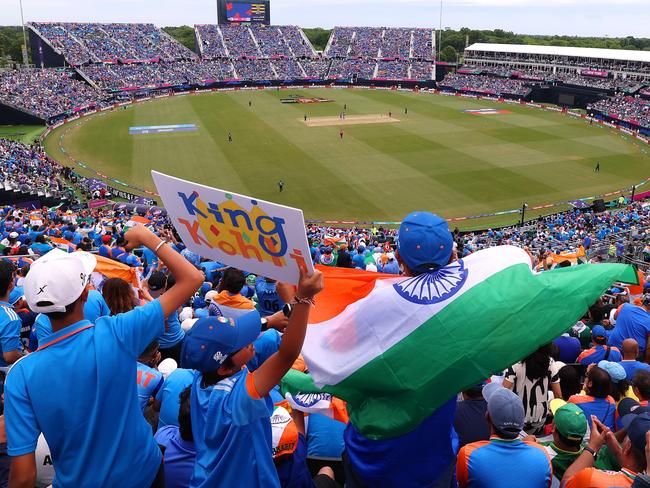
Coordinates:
column 572, row 17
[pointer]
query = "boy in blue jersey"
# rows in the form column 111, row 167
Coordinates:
column 268, row 299
column 178, row 442
column 230, row 407
column 10, row 323
column 78, row 387
column 149, row 379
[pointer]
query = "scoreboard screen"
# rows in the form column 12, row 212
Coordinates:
column 233, row 12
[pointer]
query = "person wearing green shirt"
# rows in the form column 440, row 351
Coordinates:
column 570, row 429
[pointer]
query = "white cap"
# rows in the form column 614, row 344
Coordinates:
column 13, row 235
column 186, row 313
column 57, row 279
column 167, row 367
column 187, row 324
column 209, row 296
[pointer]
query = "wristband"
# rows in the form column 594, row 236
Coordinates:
column 590, row 451
column 297, row 300
column 160, row 244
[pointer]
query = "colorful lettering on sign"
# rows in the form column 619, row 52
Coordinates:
column 234, row 230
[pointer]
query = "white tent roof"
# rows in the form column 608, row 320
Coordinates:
column 582, row 52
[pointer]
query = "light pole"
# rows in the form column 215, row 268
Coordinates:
column 440, row 32
column 22, row 21
column 523, row 214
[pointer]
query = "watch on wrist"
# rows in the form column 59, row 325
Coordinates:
column 265, row 323
column 590, row 451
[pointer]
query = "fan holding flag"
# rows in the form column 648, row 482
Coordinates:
column 398, row 349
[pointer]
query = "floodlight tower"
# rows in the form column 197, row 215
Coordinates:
column 22, row 21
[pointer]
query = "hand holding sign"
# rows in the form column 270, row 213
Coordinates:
column 253, row 235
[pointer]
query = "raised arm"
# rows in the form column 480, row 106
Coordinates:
column 188, row 278
column 273, row 369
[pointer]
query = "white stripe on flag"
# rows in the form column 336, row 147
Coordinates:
column 338, row 347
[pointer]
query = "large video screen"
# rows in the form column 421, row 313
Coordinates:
column 237, row 12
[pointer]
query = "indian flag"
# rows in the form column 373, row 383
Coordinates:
column 63, row 244
column 397, row 348
column 135, row 220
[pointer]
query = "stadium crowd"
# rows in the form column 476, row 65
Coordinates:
column 485, row 84
column 631, row 109
column 144, row 376
column 46, row 92
column 82, row 43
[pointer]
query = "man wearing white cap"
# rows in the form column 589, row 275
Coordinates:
column 78, row 388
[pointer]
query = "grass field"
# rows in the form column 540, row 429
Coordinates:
column 436, row 157
column 23, row 133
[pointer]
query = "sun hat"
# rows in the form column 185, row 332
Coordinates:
column 569, row 419
column 424, row 241
column 57, row 279
column 212, row 339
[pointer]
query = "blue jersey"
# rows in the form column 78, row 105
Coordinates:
column 179, row 457
column 149, row 381
column 632, row 323
column 173, row 332
column 480, row 464
column 417, row 458
column 265, row 346
column 78, row 389
column 232, row 434
column 95, row 306
column 10, row 325
column 42, row 327
column 169, row 394
column 324, row 437
column 632, row 366
column 268, row 299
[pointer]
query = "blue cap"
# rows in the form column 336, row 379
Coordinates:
column 201, row 313
column 615, row 370
column 424, row 241
column 505, row 408
column 211, row 340
column 598, row 331
column 637, row 425
column 16, row 294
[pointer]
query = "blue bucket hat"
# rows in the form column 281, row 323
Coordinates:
column 212, row 339
column 424, row 242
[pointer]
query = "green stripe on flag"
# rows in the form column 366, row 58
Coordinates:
column 493, row 325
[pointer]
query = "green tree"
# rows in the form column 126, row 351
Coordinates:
column 183, row 34
column 449, row 54
column 318, row 37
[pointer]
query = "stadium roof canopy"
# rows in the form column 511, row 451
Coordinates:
column 580, row 52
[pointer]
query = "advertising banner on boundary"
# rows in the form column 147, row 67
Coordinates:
column 253, row 235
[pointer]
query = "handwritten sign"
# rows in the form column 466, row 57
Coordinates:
column 250, row 234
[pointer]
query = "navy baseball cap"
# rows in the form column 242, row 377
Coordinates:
column 212, row 339
column 637, row 424
column 598, row 331
column 505, row 408
column 424, row 242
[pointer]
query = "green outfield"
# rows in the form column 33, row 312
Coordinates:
column 23, row 133
column 437, row 157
